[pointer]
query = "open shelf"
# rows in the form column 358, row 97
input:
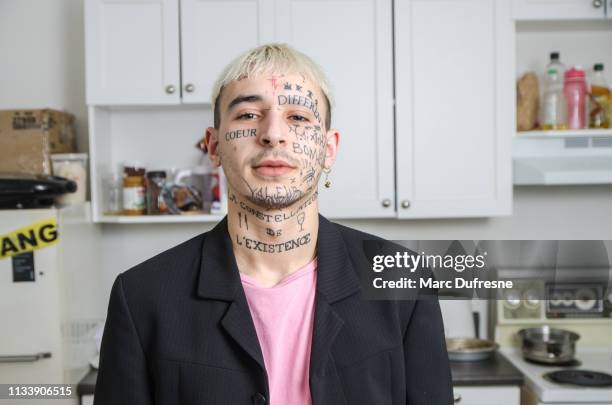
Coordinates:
column 570, row 133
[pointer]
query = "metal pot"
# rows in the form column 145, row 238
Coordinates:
column 468, row 349
column 548, row 345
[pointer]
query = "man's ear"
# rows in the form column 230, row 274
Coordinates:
column 331, row 146
column 211, row 140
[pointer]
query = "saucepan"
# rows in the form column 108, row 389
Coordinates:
column 548, row 345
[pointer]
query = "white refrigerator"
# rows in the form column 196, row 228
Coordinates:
column 31, row 313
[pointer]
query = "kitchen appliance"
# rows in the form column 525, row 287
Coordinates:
column 43, row 295
column 584, row 309
column 32, row 191
column 543, row 385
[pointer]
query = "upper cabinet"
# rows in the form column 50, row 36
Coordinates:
column 356, row 53
column 454, row 107
column 132, row 52
column 213, row 32
column 560, row 9
column 148, row 52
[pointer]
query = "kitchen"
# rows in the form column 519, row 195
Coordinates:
column 419, row 61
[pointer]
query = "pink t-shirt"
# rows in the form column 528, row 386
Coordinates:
column 283, row 317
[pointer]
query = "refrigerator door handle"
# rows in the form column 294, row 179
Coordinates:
column 21, row 358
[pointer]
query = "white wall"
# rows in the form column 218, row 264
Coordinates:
column 41, row 46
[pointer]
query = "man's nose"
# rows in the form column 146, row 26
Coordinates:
column 273, row 131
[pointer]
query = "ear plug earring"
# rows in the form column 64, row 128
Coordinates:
column 327, row 181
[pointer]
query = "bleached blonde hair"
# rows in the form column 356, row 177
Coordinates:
column 271, row 58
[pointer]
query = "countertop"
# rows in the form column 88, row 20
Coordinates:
column 494, row 371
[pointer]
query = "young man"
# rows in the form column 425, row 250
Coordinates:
column 266, row 308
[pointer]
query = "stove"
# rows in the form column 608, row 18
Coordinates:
column 580, row 378
column 543, row 388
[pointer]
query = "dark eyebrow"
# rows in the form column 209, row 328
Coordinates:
column 252, row 98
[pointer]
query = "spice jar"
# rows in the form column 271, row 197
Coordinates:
column 133, row 190
column 155, row 183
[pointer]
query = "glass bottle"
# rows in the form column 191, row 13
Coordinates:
column 554, row 109
column 599, row 98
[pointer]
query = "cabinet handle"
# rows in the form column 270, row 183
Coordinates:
column 189, row 88
column 597, row 3
column 386, row 203
column 405, row 204
column 170, row 89
column 456, row 398
column 23, row 358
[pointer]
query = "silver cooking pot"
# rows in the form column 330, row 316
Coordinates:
column 548, row 345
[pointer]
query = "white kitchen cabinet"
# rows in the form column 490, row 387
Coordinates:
column 142, row 52
column 353, row 41
column 213, row 32
column 487, row 395
column 454, row 107
column 560, row 9
column 132, row 52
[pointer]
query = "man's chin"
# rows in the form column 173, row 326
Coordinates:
column 275, row 195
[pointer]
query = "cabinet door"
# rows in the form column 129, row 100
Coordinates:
column 498, row 395
column 352, row 41
column 454, row 107
column 558, row 9
column 214, row 32
column 132, row 52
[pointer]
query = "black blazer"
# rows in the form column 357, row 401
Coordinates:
column 179, row 331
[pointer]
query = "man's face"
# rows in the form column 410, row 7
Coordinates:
column 272, row 141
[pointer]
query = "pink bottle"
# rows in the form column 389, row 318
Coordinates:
column 576, row 93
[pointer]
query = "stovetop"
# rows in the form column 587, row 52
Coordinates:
column 594, row 359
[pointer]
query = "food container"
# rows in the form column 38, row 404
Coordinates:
column 548, row 345
column 133, row 189
column 469, row 349
column 72, row 166
column 155, row 182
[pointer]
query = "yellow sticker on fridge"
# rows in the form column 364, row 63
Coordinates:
column 29, row 238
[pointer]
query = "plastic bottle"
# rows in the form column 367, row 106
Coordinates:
column 599, row 96
column 575, row 90
column 553, row 111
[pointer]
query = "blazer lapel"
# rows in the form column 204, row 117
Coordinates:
column 220, row 280
column 336, row 280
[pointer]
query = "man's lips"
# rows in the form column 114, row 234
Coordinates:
column 272, row 168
